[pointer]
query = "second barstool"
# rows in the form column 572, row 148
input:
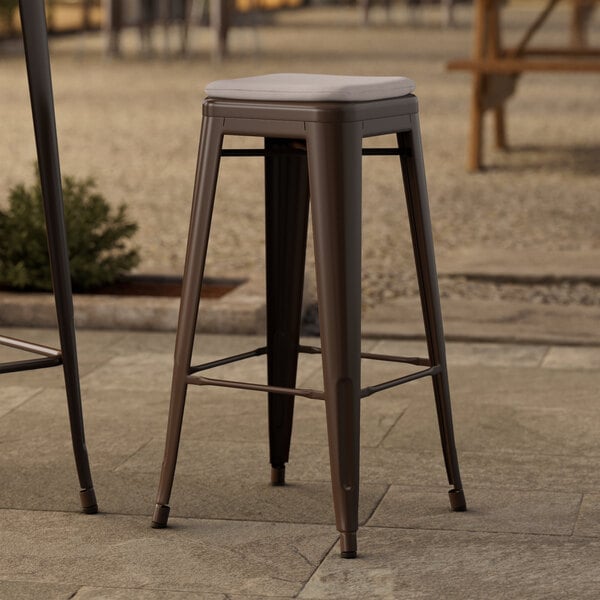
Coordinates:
column 35, row 38
column 313, row 126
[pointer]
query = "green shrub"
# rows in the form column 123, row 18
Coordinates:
column 97, row 238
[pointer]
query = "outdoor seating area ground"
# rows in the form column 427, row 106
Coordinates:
column 526, row 420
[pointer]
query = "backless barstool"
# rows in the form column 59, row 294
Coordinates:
column 313, row 127
column 33, row 22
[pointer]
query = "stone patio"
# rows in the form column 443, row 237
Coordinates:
column 527, row 426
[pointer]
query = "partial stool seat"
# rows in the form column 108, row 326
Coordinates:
column 313, row 126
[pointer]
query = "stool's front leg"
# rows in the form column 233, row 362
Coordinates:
column 334, row 162
column 203, row 201
column 42, row 105
column 286, row 215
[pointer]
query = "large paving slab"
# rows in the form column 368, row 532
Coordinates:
column 14, row 396
column 568, row 357
column 510, row 470
column 397, row 564
column 490, row 509
column 588, row 523
column 481, row 320
column 196, row 556
column 37, row 431
column 49, row 487
column 238, row 484
column 229, row 497
column 544, row 388
column 502, row 427
column 100, row 593
column 32, row 590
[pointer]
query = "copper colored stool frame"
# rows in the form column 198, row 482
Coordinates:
column 323, row 140
column 33, row 22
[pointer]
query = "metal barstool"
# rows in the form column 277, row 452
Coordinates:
column 313, row 126
column 33, row 22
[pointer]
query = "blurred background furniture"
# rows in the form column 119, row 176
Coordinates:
column 147, row 13
column 496, row 69
column 447, row 10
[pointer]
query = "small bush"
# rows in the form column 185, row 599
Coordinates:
column 97, row 238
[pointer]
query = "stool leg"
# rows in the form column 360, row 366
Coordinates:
column 413, row 172
column 286, row 212
column 204, row 195
column 40, row 91
column 334, row 162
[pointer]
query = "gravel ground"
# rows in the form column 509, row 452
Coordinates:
column 133, row 124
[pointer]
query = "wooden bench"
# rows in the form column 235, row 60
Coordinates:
column 496, row 69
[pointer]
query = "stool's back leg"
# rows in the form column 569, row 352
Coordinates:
column 42, row 105
column 413, row 172
column 286, row 214
column 204, row 194
column 334, row 162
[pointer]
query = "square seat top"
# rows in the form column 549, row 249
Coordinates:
column 306, row 87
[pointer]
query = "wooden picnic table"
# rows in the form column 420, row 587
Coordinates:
column 496, row 69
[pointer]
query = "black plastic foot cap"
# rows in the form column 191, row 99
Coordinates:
column 88, row 501
column 457, row 500
column 278, row 475
column 160, row 516
column 348, row 544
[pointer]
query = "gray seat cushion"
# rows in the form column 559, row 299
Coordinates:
column 305, row 87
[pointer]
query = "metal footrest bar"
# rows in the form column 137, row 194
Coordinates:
column 301, row 151
column 307, row 392
column 257, row 387
column 28, row 346
column 29, row 365
column 411, row 360
column 386, row 385
column 227, row 361
column 51, row 357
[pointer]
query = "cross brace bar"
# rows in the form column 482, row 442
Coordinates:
column 302, row 152
column 307, row 392
column 28, row 346
column 29, row 365
column 51, row 357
